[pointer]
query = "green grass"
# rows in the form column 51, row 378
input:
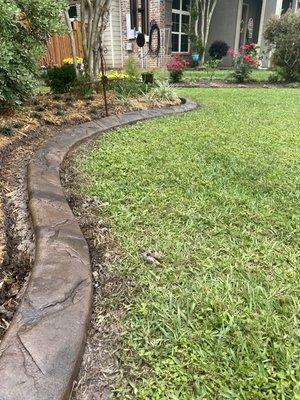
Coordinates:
column 222, row 74
column 217, row 192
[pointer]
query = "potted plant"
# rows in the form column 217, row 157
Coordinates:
column 197, row 49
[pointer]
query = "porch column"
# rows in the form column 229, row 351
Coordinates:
column 238, row 25
column 295, row 5
column 270, row 8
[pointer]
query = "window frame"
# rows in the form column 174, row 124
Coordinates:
column 180, row 12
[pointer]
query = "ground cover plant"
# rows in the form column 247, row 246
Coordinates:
column 205, row 208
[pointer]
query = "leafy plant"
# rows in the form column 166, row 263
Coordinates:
column 132, row 69
column 163, row 92
column 196, row 44
column 61, row 79
column 148, row 77
column 218, row 49
column 244, row 61
column 176, row 68
column 24, row 29
column 283, row 35
column 6, row 131
column 211, row 67
column 273, row 78
column 130, row 88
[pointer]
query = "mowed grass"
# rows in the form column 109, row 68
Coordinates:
column 222, row 74
column 217, row 192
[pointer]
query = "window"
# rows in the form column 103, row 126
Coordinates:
column 133, row 14
column 180, row 26
column 73, row 11
column 137, row 21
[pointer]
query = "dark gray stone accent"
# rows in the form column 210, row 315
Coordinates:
column 41, row 352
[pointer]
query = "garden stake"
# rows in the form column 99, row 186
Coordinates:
column 103, row 79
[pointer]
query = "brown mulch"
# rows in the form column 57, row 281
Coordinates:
column 21, row 133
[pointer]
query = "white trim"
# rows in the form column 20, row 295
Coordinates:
column 262, row 22
column 112, row 39
column 121, row 29
column 238, row 25
column 278, row 7
column 180, row 12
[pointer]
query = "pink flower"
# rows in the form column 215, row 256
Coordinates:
column 231, row 52
column 177, row 63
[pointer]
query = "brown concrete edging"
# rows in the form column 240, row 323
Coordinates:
column 41, row 351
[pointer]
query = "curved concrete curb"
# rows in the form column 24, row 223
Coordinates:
column 41, row 352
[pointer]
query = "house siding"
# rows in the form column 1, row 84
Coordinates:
column 112, row 38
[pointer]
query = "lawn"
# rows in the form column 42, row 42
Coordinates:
column 216, row 191
column 222, row 74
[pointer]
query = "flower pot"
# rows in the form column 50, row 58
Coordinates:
column 195, row 57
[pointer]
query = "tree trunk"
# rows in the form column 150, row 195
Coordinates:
column 94, row 20
column 72, row 41
column 204, row 10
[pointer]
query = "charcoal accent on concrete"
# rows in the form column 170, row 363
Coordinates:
column 41, row 351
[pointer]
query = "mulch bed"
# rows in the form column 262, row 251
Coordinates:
column 21, row 134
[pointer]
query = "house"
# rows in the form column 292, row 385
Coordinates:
column 234, row 21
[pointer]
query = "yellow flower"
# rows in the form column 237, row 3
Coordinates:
column 70, row 60
column 116, row 75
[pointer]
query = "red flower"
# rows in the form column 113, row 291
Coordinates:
column 177, row 63
column 249, row 59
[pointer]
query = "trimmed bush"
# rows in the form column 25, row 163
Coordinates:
column 218, row 50
column 283, row 36
column 61, row 79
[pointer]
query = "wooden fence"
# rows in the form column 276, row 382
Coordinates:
column 59, row 48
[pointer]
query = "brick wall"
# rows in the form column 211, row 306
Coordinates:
column 159, row 11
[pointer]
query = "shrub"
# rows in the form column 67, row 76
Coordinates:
column 273, row 78
column 24, row 29
column 129, row 88
column 132, row 69
column 283, row 36
column 61, row 79
column 211, row 66
column 176, row 68
column 148, row 77
column 218, row 50
column 244, row 61
column 163, row 92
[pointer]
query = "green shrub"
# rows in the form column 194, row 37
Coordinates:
column 61, row 79
column 162, row 92
column 283, row 36
column 273, row 78
column 130, row 88
column 132, row 69
column 24, row 29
